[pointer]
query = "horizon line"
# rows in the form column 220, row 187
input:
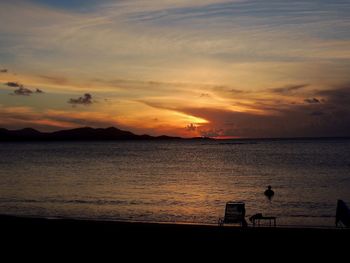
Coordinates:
column 219, row 138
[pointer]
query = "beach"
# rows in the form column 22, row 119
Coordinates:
column 61, row 234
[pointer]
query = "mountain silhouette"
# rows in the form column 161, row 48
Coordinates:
column 79, row 134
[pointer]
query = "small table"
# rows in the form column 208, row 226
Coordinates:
column 269, row 218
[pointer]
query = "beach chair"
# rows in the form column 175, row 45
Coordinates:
column 234, row 214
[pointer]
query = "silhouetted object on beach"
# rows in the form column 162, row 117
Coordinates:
column 255, row 219
column 234, row 214
column 342, row 214
column 269, row 193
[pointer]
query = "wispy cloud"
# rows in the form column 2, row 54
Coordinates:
column 312, row 101
column 217, row 34
column 55, row 80
column 289, row 89
column 18, row 117
column 253, row 64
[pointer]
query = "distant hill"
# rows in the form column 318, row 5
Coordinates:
column 79, row 134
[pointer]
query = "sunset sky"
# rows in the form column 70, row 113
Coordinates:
column 220, row 68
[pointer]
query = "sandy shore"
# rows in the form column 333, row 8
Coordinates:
column 50, row 232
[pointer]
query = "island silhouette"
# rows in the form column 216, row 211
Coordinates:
column 78, row 134
column 113, row 133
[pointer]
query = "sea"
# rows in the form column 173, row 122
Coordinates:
column 177, row 181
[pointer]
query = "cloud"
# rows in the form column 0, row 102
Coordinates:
column 128, row 42
column 55, row 80
column 338, row 96
column 161, row 44
column 191, row 127
column 203, row 95
column 314, row 120
column 39, row 91
column 13, row 84
column 289, row 89
column 227, row 89
column 3, row 70
column 85, row 100
column 312, row 101
column 50, row 120
column 237, row 91
column 23, row 91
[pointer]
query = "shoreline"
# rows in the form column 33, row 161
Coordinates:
column 24, row 230
column 145, row 222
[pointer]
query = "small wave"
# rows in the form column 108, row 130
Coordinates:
column 237, row 143
column 95, row 202
column 58, row 201
column 2, row 200
column 310, row 216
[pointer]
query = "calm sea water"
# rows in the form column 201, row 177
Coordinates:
column 175, row 181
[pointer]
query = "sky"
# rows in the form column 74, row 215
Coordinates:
column 217, row 68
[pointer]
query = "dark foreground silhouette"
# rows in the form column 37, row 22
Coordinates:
column 88, row 236
column 343, row 214
column 234, row 214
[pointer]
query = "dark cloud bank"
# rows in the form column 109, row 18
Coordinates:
column 325, row 115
